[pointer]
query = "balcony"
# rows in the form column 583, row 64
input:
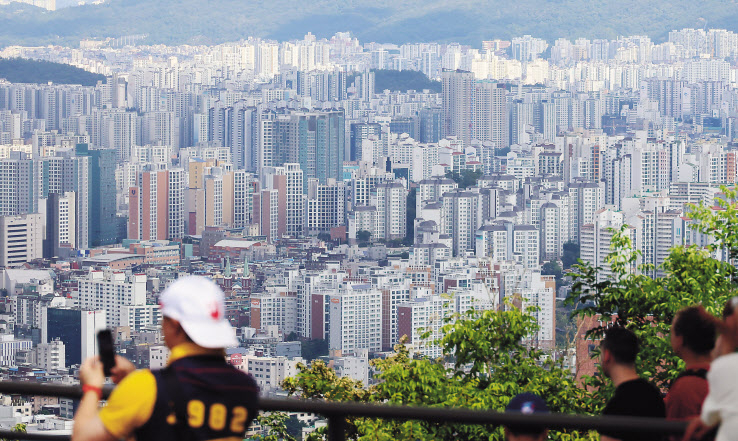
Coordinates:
column 336, row 414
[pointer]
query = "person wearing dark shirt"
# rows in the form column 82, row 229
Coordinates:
column 692, row 339
column 633, row 395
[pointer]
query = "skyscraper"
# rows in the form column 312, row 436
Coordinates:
column 315, row 140
column 20, row 179
column 156, row 205
column 60, row 224
column 105, row 226
column 458, row 104
column 490, row 114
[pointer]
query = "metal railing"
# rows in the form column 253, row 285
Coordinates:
column 336, row 414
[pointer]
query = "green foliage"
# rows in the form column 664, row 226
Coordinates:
column 363, row 236
column 276, row 425
column 648, row 305
column 491, row 365
column 312, row 349
column 325, row 237
column 570, row 255
column 720, row 222
column 18, row 428
column 566, row 327
column 552, row 268
column 465, row 179
column 294, row 426
column 403, row 80
column 20, row 70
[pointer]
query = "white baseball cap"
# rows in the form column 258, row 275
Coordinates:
column 198, row 305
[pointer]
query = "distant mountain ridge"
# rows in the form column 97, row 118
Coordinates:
column 397, row 21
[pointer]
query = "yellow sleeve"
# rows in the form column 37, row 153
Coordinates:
column 131, row 404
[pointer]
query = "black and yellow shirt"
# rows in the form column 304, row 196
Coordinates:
column 221, row 400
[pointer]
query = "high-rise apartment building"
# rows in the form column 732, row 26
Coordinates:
column 288, row 181
column 460, row 219
column 390, row 200
column 489, row 120
column 21, row 239
column 316, row 142
column 61, row 224
column 355, row 319
column 20, row 180
column 156, row 205
column 104, row 226
column 325, row 206
column 123, row 297
column 458, row 104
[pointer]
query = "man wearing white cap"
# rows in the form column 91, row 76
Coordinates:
column 198, row 396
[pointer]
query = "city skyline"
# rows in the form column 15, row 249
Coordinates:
column 347, row 213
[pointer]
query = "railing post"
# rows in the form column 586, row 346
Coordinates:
column 336, row 427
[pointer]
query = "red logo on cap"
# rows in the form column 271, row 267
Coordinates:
column 215, row 312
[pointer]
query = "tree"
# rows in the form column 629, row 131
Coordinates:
column 647, row 305
column 18, row 428
column 278, row 430
column 570, row 255
column 312, row 349
column 488, row 343
column 363, row 236
column 294, row 426
column 325, row 237
column 552, row 268
column 465, row 179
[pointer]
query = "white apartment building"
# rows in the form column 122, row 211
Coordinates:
column 158, row 356
column 431, row 190
column 21, row 239
column 50, row 356
column 356, row 368
column 112, row 291
column 324, row 207
column 596, row 238
column 9, row 346
column 275, row 307
column 421, row 314
column 270, row 372
column 355, row 319
column 424, row 158
column 244, row 186
column 540, row 292
column 390, row 199
column 460, row 219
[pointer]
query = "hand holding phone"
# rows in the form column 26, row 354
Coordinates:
column 106, row 350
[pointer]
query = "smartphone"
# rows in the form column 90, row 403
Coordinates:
column 106, row 350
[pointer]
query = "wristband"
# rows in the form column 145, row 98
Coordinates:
column 98, row 390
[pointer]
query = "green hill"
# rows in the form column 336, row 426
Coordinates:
column 397, row 21
column 403, row 81
column 20, row 70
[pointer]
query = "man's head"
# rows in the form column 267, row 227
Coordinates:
column 618, row 348
column 692, row 333
column 193, row 308
column 526, row 403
